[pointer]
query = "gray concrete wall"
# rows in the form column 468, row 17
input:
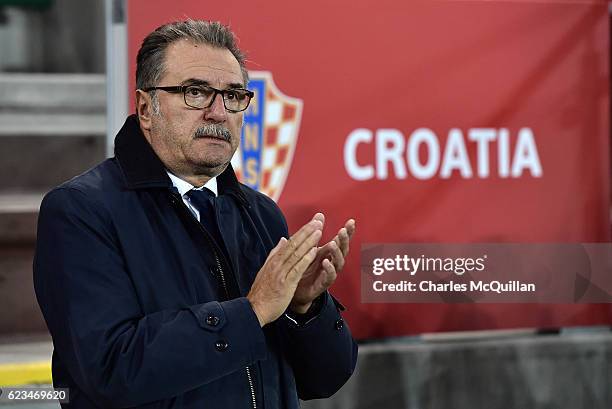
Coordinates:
column 572, row 371
column 52, row 127
column 66, row 37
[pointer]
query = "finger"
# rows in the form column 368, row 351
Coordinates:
column 298, row 238
column 350, row 226
column 281, row 243
column 322, row 253
column 343, row 241
column 326, row 250
column 308, row 244
column 324, row 281
column 328, row 266
column 320, row 217
column 337, row 257
column 336, row 239
column 273, row 258
column 295, row 273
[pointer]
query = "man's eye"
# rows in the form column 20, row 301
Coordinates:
column 198, row 92
column 237, row 95
column 195, row 92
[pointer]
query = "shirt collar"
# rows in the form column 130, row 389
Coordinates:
column 183, row 187
column 142, row 169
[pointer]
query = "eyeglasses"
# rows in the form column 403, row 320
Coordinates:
column 203, row 96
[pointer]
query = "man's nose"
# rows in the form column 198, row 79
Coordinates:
column 216, row 112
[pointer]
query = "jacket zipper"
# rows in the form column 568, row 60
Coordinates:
column 253, row 400
column 227, row 295
column 247, row 368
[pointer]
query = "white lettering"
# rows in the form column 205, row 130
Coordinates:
column 526, row 155
column 455, row 156
column 390, row 148
column 419, row 155
column 482, row 137
column 503, row 153
column 429, row 169
column 355, row 170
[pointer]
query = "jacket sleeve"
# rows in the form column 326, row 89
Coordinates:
column 118, row 355
column 322, row 352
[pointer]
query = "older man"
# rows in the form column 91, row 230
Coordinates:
column 163, row 280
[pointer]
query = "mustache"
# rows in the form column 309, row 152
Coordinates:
column 214, row 130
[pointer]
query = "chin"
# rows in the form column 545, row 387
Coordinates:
column 212, row 163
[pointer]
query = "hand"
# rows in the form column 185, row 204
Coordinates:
column 322, row 272
column 278, row 278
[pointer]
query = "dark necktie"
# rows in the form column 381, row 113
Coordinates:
column 203, row 200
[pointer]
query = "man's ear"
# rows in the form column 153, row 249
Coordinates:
column 144, row 109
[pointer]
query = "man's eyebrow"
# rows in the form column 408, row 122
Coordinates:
column 197, row 81
column 235, row 85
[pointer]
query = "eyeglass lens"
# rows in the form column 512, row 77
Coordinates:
column 198, row 96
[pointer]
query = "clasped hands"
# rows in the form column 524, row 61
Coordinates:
column 297, row 271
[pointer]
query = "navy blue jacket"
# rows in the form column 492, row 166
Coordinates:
column 125, row 278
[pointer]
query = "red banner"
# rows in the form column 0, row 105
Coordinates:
column 427, row 122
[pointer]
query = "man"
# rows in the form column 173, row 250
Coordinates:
column 166, row 283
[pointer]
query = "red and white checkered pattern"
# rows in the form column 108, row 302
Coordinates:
column 281, row 124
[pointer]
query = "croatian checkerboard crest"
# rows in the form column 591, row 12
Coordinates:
column 269, row 136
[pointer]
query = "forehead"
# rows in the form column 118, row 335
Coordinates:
column 189, row 60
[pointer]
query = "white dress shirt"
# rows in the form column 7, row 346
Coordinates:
column 184, row 187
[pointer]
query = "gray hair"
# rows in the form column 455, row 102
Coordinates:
column 151, row 56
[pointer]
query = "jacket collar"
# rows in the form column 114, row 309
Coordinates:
column 142, row 168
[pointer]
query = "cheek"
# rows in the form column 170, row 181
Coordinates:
column 183, row 128
column 175, row 136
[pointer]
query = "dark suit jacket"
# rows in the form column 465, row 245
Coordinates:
column 128, row 284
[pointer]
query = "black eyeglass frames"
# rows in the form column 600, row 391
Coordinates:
column 203, row 96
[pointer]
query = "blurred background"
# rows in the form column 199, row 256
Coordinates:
column 66, row 68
